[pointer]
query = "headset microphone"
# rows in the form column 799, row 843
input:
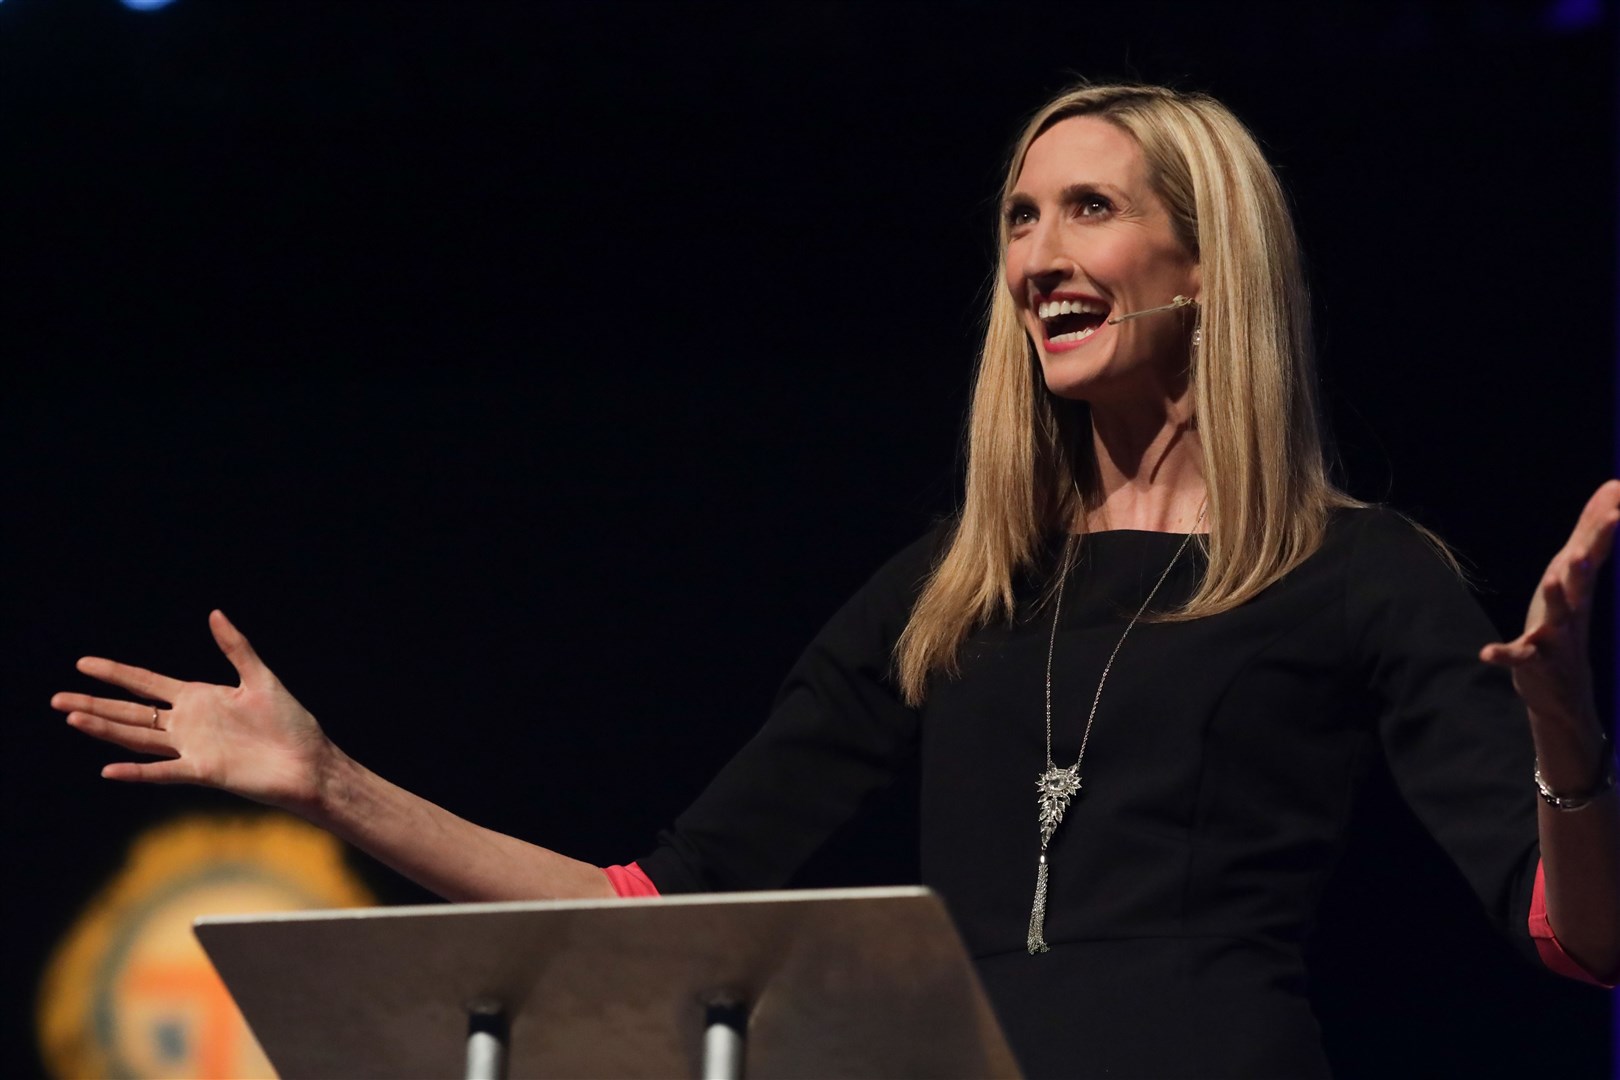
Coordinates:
column 1177, row 302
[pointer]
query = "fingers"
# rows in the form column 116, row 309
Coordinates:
column 1593, row 538
column 1555, row 599
column 236, row 648
column 150, row 684
column 1558, row 613
column 173, row 771
column 1577, row 579
column 136, row 680
column 1602, row 540
column 1509, row 654
column 119, row 712
column 142, row 740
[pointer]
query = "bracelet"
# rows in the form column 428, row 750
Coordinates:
column 1604, row 785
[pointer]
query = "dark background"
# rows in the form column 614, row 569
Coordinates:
column 530, row 381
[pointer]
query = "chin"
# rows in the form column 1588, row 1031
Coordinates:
column 1070, row 380
column 1078, row 392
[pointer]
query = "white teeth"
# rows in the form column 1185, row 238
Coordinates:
column 1077, row 335
column 1069, row 307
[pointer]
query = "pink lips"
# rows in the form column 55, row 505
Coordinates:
column 1066, row 346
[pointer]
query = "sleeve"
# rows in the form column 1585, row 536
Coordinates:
column 1453, row 731
column 1552, row 953
column 837, row 731
column 629, row 881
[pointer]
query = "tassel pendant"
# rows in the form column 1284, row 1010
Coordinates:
column 1055, row 788
column 1036, row 942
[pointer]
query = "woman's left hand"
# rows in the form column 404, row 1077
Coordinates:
column 1551, row 669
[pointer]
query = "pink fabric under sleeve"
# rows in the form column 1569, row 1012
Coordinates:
column 1541, row 932
column 630, row 881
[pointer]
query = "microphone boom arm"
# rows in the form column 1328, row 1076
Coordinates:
column 1177, row 302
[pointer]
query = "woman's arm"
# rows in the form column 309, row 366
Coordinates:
column 1551, row 668
column 257, row 741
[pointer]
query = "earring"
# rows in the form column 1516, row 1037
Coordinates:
column 1197, row 336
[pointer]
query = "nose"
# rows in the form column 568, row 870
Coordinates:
column 1046, row 265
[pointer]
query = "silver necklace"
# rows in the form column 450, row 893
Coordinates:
column 1056, row 786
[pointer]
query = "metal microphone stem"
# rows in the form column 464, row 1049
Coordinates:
column 1178, row 302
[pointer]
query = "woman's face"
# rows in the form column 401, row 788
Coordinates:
column 1089, row 240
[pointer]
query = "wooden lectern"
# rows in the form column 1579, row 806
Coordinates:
column 824, row 983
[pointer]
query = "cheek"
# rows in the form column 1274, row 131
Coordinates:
column 1171, row 264
column 1013, row 280
column 1010, row 273
column 1118, row 264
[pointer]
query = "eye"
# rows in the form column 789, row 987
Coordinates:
column 1019, row 215
column 1093, row 205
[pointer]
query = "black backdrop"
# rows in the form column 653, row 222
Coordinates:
column 529, row 381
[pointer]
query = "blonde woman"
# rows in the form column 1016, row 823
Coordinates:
column 1141, row 667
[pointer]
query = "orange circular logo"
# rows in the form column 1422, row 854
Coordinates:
column 129, row 992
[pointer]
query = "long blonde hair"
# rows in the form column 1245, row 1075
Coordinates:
column 1030, row 460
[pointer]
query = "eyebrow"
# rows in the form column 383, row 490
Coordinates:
column 1069, row 195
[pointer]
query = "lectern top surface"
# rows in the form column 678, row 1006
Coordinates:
column 837, row 983
column 797, row 896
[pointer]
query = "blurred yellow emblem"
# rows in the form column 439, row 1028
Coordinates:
column 128, row 991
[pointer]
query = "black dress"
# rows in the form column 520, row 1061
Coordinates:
column 1217, row 784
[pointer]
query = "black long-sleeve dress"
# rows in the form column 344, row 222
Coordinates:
column 1217, row 785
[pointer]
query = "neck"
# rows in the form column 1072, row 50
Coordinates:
column 1150, row 472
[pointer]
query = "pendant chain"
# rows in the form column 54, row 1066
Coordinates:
column 1057, row 786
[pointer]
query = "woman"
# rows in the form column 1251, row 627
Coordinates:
column 1153, row 604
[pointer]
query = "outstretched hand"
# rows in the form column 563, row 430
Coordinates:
column 254, row 739
column 1551, row 668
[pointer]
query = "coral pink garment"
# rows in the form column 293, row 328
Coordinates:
column 1552, row 953
column 630, row 881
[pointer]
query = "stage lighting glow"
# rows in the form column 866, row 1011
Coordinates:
column 1569, row 15
column 145, row 5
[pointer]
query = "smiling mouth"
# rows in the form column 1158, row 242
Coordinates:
column 1068, row 321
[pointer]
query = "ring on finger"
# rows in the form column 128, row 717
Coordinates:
column 155, row 725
